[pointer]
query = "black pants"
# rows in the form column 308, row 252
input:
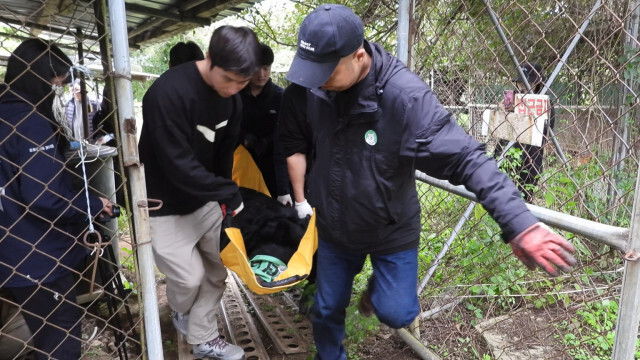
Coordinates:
column 53, row 317
column 530, row 168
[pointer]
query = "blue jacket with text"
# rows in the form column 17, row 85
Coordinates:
column 41, row 216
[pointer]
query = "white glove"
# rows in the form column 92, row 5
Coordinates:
column 236, row 211
column 285, row 200
column 303, row 209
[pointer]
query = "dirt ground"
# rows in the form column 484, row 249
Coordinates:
column 383, row 345
column 525, row 333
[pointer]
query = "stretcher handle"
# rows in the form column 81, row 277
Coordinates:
column 284, row 282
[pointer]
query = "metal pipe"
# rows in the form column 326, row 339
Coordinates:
column 83, row 88
column 416, row 345
column 516, row 63
column 124, row 97
column 456, row 229
column 559, row 66
column 628, row 99
column 433, row 312
column 624, row 345
column 100, row 13
column 569, row 50
column 403, row 30
column 613, row 236
column 446, row 246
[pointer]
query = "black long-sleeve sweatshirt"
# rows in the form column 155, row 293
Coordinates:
column 187, row 142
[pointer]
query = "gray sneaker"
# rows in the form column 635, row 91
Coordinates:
column 218, row 349
column 180, row 322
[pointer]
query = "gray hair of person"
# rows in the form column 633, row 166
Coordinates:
column 235, row 49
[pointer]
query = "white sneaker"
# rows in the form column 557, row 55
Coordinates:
column 180, row 322
column 218, row 349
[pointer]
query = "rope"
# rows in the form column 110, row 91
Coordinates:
column 86, row 189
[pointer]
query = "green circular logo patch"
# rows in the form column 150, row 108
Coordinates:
column 371, row 137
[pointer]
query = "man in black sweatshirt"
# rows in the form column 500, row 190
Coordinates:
column 191, row 125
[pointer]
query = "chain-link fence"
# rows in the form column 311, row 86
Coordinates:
column 478, row 299
column 71, row 286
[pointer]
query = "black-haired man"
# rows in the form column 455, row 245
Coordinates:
column 373, row 123
column 183, row 52
column 261, row 104
column 191, row 124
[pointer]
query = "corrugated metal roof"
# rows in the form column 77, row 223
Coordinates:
column 147, row 21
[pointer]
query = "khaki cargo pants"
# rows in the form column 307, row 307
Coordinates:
column 187, row 251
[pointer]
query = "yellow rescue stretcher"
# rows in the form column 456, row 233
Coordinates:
column 234, row 255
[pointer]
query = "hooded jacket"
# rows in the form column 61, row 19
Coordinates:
column 41, row 216
column 367, row 143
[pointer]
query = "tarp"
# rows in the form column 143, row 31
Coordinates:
column 234, row 255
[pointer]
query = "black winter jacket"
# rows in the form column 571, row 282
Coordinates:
column 367, row 143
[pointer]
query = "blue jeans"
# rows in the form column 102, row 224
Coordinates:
column 392, row 289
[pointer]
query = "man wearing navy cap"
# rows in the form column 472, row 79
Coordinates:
column 373, row 123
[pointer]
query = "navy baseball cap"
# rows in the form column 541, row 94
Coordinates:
column 327, row 34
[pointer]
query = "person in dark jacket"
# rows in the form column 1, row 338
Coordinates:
column 41, row 215
column 373, row 123
column 73, row 112
column 530, row 166
column 183, row 52
column 261, row 104
column 192, row 117
column 293, row 122
column 295, row 139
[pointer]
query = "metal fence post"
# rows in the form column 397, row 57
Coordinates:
column 403, row 30
column 628, row 316
column 628, row 92
column 140, row 212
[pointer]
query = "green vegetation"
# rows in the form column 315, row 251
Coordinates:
column 456, row 41
column 591, row 334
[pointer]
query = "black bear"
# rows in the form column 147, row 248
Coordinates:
column 267, row 226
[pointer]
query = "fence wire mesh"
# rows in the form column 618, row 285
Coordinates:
column 100, row 317
column 479, row 299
